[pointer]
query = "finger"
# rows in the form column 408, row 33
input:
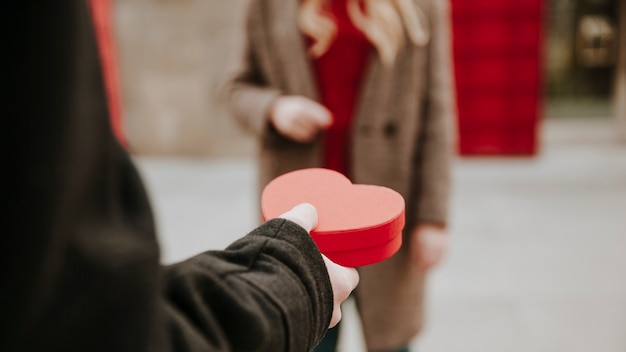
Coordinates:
column 349, row 277
column 353, row 278
column 303, row 214
column 425, row 258
column 306, row 128
column 343, row 280
column 431, row 258
column 320, row 116
column 336, row 316
column 439, row 249
column 298, row 129
column 299, row 136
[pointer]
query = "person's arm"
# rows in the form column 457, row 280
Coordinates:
column 438, row 121
column 268, row 291
column 248, row 95
column 436, row 148
column 79, row 262
column 259, row 107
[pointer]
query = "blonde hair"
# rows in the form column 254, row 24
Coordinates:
column 382, row 21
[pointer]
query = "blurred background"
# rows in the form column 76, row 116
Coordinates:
column 538, row 226
column 532, row 59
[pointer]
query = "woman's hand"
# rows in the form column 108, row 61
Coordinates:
column 343, row 280
column 299, row 118
column 429, row 243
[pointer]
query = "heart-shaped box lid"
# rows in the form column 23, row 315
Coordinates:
column 357, row 224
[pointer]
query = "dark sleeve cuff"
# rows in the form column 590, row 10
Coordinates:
column 290, row 245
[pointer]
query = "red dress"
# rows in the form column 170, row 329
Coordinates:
column 339, row 74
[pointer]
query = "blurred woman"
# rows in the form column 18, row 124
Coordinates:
column 363, row 87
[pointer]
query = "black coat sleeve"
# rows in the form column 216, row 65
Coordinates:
column 263, row 293
column 79, row 260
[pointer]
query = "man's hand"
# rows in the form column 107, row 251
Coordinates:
column 299, row 118
column 428, row 245
column 342, row 279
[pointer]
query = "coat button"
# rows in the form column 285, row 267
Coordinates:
column 390, row 129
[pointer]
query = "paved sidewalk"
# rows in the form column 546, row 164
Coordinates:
column 538, row 256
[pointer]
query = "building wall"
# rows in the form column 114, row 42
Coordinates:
column 173, row 54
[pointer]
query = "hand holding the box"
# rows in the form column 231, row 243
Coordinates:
column 342, row 279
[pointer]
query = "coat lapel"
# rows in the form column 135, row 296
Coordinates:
column 375, row 91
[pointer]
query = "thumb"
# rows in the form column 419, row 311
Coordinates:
column 320, row 114
column 303, row 214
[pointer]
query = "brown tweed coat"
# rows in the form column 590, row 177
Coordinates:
column 402, row 135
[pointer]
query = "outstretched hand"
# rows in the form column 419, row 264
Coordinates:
column 343, row 280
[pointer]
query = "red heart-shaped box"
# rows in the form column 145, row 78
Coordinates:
column 357, row 224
